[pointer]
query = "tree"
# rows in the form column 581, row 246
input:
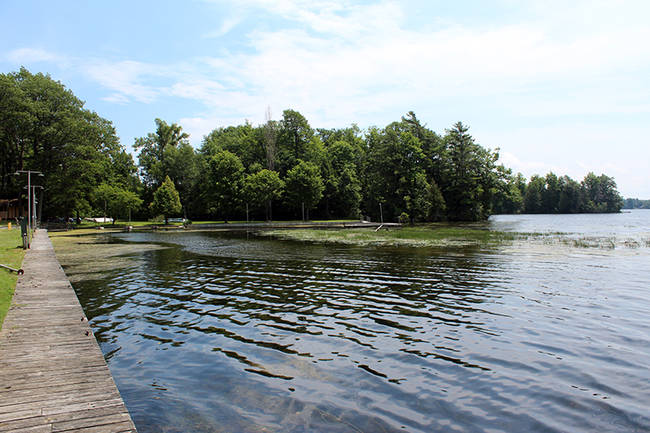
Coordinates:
column 261, row 188
column 304, row 186
column 571, row 197
column 117, row 201
column 225, row 182
column 396, row 180
column 533, row 198
column 245, row 141
column 153, row 151
column 601, row 194
column 432, row 146
column 551, row 194
column 270, row 131
column 342, row 192
column 45, row 127
column 166, row 201
column 469, row 176
column 294, row 137
column 438, row 207
column 167, row 153
column 508, row 198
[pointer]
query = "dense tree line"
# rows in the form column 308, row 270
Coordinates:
column 280, row 169
column 635, row 203
column 553, row 194
column 286, row 169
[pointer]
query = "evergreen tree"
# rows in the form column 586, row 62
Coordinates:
column 469, row 178
column 166, row 201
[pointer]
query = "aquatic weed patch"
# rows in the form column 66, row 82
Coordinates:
column 417, row 236
column 93, row 253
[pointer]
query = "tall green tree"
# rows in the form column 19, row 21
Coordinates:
column 262, row 188
column 601, row 194
column 166, row 201
column 395, row 177
column 433, row 147
column 342, row 194
column 226, row 180
column 45, row 127
column 571, row 197
column 469, row 177
column 154, row 148
column 304, row 186
column 167, row 153
column 294, row 138
column 533, row 198
column 245, row 141
column 508, row 198
column 551, row 194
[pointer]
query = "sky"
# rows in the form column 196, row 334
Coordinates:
column 555, row 85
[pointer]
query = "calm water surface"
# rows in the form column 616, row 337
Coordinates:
column 229, row 332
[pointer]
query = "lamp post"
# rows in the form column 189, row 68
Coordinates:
column 29, row 197
column 36, row 217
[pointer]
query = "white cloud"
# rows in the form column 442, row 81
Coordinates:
column 341, row 61
column 226, row 26
column 32, row 55
column 365, row 58
column 125, row 79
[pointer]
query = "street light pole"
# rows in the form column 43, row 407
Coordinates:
column 29, row 198
column 35, row 217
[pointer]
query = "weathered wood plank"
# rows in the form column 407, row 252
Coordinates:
column 38, row 419
column 53, row 376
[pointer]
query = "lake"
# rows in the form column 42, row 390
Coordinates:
column 230, row 332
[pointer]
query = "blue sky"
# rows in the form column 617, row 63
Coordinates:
column 556, row 85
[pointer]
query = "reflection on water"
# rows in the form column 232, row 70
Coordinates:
column 228, row 332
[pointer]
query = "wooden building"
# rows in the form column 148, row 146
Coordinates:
column 11, row 209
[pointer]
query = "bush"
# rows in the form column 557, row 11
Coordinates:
column 404, row 218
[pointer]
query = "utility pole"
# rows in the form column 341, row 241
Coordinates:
column 29, row 198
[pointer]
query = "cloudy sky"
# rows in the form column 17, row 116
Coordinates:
column 556, row 85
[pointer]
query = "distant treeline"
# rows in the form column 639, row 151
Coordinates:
column 280, row 169
column 635, row 203
column 553, row 194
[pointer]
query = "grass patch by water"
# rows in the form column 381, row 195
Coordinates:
column 11, row 254
column 430, row 235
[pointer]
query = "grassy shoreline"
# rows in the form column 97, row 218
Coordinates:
column 11, row 254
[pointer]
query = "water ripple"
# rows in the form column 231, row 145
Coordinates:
column 247, row 334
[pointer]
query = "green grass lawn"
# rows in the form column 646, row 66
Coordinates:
column 11, row 254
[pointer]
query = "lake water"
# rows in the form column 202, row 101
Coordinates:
column 236, row 333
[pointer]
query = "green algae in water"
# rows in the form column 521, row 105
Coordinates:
column 88, row 256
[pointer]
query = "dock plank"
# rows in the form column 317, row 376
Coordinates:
column 53, row 376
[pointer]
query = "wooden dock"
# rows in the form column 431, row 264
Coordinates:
column 53, row 376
